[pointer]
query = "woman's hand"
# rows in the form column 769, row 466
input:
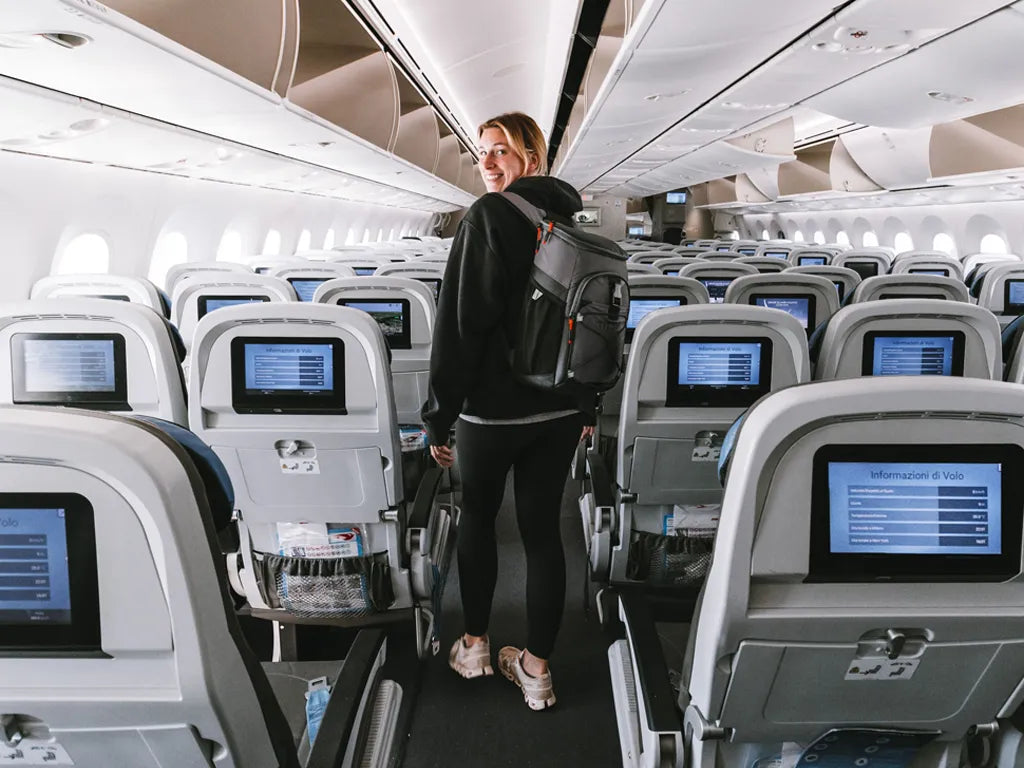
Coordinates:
column 443, row 455
column 586, row 434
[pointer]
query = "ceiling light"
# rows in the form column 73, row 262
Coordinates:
column 950, row 98
column 751, row 107
column 670, row 95
column 65, row 39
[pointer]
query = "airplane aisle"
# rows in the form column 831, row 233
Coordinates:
column 484, row 723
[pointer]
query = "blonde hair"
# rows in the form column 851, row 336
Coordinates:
column 524, row 138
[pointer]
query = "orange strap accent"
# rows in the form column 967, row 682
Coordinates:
column 571, row 323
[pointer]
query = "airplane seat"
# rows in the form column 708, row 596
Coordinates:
column 91, row 353
column 165, row 303
column 632, row 268
column 845, row 280
column 808, row 298
column 430, row 274
column 652, row 521
column 404, row 307
column 305, row 280
column 671, row 266
column 826, row 627
column 1011, row 337
column 911, row 337
column 296, row 399
column 209, row 291
column 362, row 264
column 764, row 264
column 647, row 256
column 716, row 276
column 778, row 251
column 865, row 262
column 925, row 264
column 189, row 269
column 99, row 286
column 132, row 654
column 1001, row 290
column 909, row 286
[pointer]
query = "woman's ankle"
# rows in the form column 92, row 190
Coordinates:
column 533, row 665
column 469, row 640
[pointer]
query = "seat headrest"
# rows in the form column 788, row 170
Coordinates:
column 728, row 445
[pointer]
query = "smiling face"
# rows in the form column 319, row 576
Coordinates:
column 499, row 164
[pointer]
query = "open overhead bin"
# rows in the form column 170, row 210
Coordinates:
column 418, row 137
column 748, row 192
column 892, row 158
column 984, row 148
column 448, row 161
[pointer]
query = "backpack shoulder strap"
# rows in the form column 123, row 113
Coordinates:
column 534, row 214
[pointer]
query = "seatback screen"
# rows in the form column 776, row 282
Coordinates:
column 949, row 512
column 936, row 272
column 863, row 268
column 364, row 271
column 80, row 369
column 799, row 306
column 718, row 372
column 747, row 251
column 48, row 582
column 206, row 304
column 288, row 375
column 392, row 316
column 900, row 353
column 723, row 248
column 261, row 270
column 111, row 296
column 1013, row 296
column 777, row 254
column 640, row 307
column 671, row 273
column 305, row 287
column 434, row 284
column 811, row 261
column 912, row 296
column 716, row 288
column 840, row 288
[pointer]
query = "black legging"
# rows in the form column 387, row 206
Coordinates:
column 541, row 454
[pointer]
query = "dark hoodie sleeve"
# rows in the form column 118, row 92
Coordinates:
column 470, row 307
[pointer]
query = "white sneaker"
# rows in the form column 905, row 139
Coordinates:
column 537, row 691
column 471, row 661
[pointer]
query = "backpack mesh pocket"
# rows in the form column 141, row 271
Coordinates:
column 541, row 333
column 680, row 560
column 327, row 587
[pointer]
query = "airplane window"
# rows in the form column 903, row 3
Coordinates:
column 171, row 249
column 944, row 242
column 765, row 235
column 734, row 235
column 993, row 244
column 842, row 238
column 85, row 254
column 366, row 236
column 819, row 237
column 304, row 240
column 380, row 235
column 903, row 242
column 870, row 240
column 230, row 248
column 329, row 239
column 272, row 245
column 798, row 236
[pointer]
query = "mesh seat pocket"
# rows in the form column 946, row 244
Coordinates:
column 680, row 560
column 327, row 587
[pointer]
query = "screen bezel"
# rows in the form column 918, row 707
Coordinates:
column 245, row 401
column 402, row 340
column 1009, row 306
column 714, row 396
column 82, row 635
column 683, row 301
column 299, row 278
column 203, row 302
column 871, row 263
column 868, row 353
column 826, row 566
column 116, row 400
column 810, row 297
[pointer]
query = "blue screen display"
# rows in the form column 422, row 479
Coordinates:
column 671, row 273
column 915, row 508
column 640, row 308
column 912, row 356
column 207, row 305
column 388, row 314
column 777, row 254
column 719, row 364
column 716, row 289
column 797, row 306
column 674, row 198
column 34, row 581
column 723, row 248
column 747, row 251
column 840, row 289
column 69, row 365
column 811, row 261
column 364, row 271
column 289, row 367
column 306, row 287
column 1015, row 291
column 936, row 272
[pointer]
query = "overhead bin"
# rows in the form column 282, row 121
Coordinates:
column 748, row 192
column 448, row 162
column 891, row 157
column 722, row 192
column 808, row 173
column 418, row 134
column 846, row 174
column 466, row 171
column 991, row 143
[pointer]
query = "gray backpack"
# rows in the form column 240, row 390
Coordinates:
column 572, row 327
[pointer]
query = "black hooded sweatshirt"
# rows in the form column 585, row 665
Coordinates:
column 478, row 312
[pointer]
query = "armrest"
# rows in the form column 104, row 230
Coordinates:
column 339, row 725
column 659, row 701
column 600, row 480
column 419, row 517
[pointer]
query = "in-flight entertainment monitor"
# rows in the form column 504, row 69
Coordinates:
column 261, row 270
column 364, row 271
column 434, row 283
column 672, row 198
column 207, row 304
column 747, row 251
column 86, row 370
column 913, row 353
column 912, row 296
column 671, row 273
column 916, row 513
column 936, row 272
column 776, row 254
column 716, row 288
column 800, row 306
column 1013, row 297
column 811, row 261
column 723, row 248
column 641, row 306
column 306, row 287
column 717, row 371
column 49, row 595
column 863, row 268
column 840, row 288
column 392, row 315
column 111, row 296
column 288, row 375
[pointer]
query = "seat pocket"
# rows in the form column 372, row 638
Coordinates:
column 327, row 587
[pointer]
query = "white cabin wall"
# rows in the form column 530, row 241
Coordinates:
column 45, row 203
column 966, row 223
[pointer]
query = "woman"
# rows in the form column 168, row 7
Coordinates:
column 499, row 423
